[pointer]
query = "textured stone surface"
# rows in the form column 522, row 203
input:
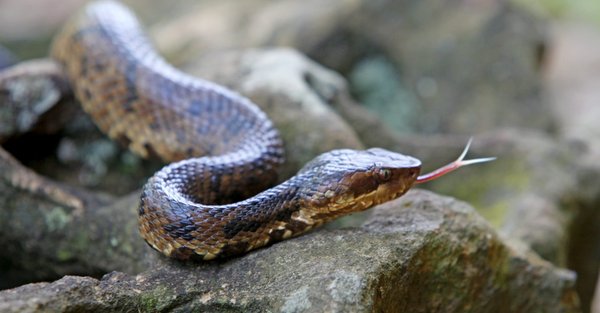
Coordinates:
column 464, row 67
column 471, row 67
column 422, row 253
column 29, row 93
column 48, row 230
column 41, row 123
column 523, row 173
column 573, row 93
column 596, row 302
column 6, row 58
column 542, row 191
column 460, row 67
column 573, row 85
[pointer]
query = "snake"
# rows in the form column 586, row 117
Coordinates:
column 218, row 195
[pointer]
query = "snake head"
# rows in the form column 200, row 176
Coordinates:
column 345, row 181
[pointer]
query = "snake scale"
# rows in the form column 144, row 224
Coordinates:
column 216, row 200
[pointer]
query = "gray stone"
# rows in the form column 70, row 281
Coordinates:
column 458, row 68
column 6, row 58
column 595, row 308
column 421, row 253
column 461, row 68
column 470, row 67
column 30, row 93
column 573, row 93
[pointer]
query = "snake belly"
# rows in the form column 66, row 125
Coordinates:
column 210, row 202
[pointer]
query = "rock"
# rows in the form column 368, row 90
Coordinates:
column 572, row 82
column 6, row 58
column 66, row 228
column 573, row 92
column 392, row 263
column 42, row 125
column 477, row 67
column 596, row 302
column 468, row 71
column 471, row 68
column 30, row 93
column 519, row 192
column 541, row 191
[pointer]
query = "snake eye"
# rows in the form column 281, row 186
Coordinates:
column 384, row 174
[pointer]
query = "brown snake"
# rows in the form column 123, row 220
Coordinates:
column 212, row 203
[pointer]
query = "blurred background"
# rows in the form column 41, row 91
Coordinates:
column 523, row 76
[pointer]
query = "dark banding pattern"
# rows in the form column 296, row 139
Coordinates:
column 213, row 201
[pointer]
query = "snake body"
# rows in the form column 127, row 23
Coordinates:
column 213, row 201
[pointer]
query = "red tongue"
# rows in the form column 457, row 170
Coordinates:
column 460, row 162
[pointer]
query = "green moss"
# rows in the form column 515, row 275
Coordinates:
column 125, row 244
column 156, row 300
column 81, row 241
column 64, row 255
column 114, row 242
column 378, row 86
column 486, row 187
column 71, row 249
column 127, row 247
column 495, row 213
column 587, row 10
column 56, row 219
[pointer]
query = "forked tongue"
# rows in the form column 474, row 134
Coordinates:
column 460, row 162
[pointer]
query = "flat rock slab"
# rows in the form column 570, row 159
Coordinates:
column 421, row 253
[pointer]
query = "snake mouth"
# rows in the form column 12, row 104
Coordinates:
column 364, row 193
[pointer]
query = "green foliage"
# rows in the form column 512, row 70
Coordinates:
column 583, row 10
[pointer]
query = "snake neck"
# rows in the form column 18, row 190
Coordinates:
column 137, row 98
column 177, row 220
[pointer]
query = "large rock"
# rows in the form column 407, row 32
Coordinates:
column 519, row 192
column 421, row 253
column 30, row 93
column 573, row 84
column 6, row 58
column 573, row 92
column 541, row 191
column 466, row 67
column 48, row 230
column 41, row 124
column 595, row 308
column 425, row 65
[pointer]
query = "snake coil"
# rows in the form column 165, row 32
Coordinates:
column 213, row 201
